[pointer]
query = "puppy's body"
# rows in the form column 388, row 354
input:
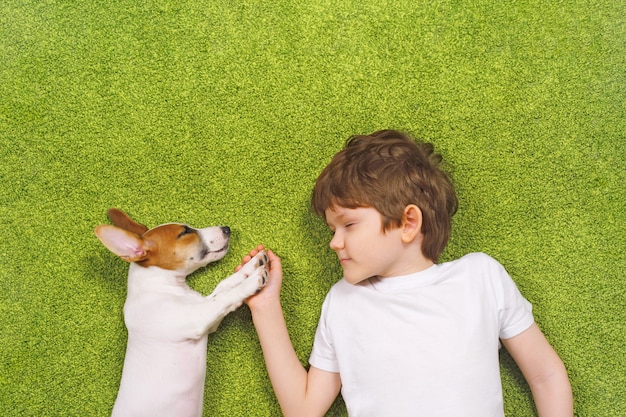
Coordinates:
column 167, row 321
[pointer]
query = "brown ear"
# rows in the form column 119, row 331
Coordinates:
column 127, row 245
column 123, row 220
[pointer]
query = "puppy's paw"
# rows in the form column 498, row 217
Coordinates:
column 255, row 282
column 264, row 276
column 259, row 260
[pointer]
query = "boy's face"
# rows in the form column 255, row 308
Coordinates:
column 364, row 250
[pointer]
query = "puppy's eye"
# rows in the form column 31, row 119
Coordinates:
column 186, row 230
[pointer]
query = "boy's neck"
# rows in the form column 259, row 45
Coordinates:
column 423, row 265
column 415, row 264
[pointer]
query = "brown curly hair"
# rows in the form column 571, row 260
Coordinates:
column 389, row 170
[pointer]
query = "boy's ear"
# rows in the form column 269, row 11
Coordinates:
column 411, row 223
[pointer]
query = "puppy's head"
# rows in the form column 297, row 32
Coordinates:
column 172, row 246
column 182, row 248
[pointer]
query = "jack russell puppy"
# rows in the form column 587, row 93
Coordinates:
column 168, row 323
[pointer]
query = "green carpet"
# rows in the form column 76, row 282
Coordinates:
column 220, row 112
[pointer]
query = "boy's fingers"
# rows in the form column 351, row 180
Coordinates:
column 276, row 266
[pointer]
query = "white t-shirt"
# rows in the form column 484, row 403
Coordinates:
column 424, row 344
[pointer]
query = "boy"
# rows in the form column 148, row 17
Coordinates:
column 401, row 335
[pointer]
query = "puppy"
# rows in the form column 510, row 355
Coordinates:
column 168, row 322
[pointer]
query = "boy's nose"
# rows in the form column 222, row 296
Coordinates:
column 336, row 242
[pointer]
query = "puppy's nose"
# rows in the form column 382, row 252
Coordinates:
column 226, row 230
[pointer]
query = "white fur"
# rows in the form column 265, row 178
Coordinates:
column 168, row 323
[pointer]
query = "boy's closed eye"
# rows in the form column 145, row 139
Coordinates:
column 345, row 226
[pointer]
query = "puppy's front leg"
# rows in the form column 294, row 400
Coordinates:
column 206, row 316
column 259, row 260
column 226, row 301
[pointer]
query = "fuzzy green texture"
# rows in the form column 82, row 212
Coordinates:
column 220, row 112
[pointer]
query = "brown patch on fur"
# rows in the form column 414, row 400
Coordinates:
column 168, row 249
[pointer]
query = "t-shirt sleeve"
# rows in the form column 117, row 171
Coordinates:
column 514, row 311
column 323, row 354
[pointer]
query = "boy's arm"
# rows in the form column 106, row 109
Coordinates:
column 299, row 393
column 544, row 371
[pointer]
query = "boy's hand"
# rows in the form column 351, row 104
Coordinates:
column 271, row 291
